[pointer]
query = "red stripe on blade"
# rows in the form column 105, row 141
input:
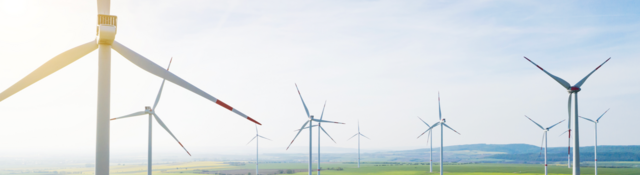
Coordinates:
column 539, row 67
column 254, row 121
column 224, row 105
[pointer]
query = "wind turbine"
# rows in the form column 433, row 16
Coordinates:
column 595, row 146
column 358, row 134
column 309, row 121
column 430, row 142
column 572, row 90
column 325, row 132
column 544, row 136
column 441, row 123
column 151, row 112
column 256, row 138
column 104, row 42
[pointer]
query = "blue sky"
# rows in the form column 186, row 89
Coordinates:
column 380, row 62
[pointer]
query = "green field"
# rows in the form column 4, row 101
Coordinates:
column 192, row 168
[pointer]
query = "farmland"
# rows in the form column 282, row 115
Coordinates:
column 369, row 168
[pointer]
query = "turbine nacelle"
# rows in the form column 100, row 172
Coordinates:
column 106, row 29
column 574, row 89
column 147, row 109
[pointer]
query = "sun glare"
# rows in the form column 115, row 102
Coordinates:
column 13, row 7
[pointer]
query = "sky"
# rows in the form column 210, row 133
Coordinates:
column 377, row 63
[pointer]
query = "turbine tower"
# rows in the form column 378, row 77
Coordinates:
column 572, row 90
column 544, row 137
column 104, row 42
column 257, row 137
column 325, row 132
column 430, row 143
column 151, row 112
column 595, row 146
column 358, row 134
column 441, row 123
column 309, row 121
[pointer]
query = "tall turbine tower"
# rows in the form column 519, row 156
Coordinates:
column 430, row 142
column 257, row 137
column 595, row 146
column 309, row 121
column 544, row 136
column 441, row 123
column 104, row 42
column 325, row 132
column 572, row 90
column 358, row 134
column 151, row 112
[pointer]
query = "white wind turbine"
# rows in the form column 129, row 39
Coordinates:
column 104, row 42
column 442, row 122
column 544, row 136
column 256, row 138
column 358, row 134
column 319, row 129
column 595, row 146
column 151, row 112
column 572, row 90
column 310, row 123
column 430, row 142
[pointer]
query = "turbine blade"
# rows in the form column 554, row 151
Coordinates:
column 554, row 125
column 104, row 6
column 424, row 122
column 563, row 133
column 587, row 119
column 155, row 69
column 451, row 129
column 534, row 122
column 365, row 136
column 325, row 105
column 305, row 128
column 294, row 138
column 562, row 82
column 429, row 129
column 131, row 115
column 439, row 109
column 585, row 78
column 303, row 104
column 569, row 110
column 254, row 137
column 326, row 121
column 54, row 64
column 541, row 143
column 352, row 137
column 161, row 87
column 169, row 131
column 429, row 136
column 325, row 132
column 598, row 120
column 264, row 138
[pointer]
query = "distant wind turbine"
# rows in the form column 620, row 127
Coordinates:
column 430, row 142
column 544, row 136
column 572, row 90
column 441, row 123
column 151, row 112
column 358, row 134
column 309, row 122
column 257, row 137
column 325, row 132
column 104, row 41
column 595, row 146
